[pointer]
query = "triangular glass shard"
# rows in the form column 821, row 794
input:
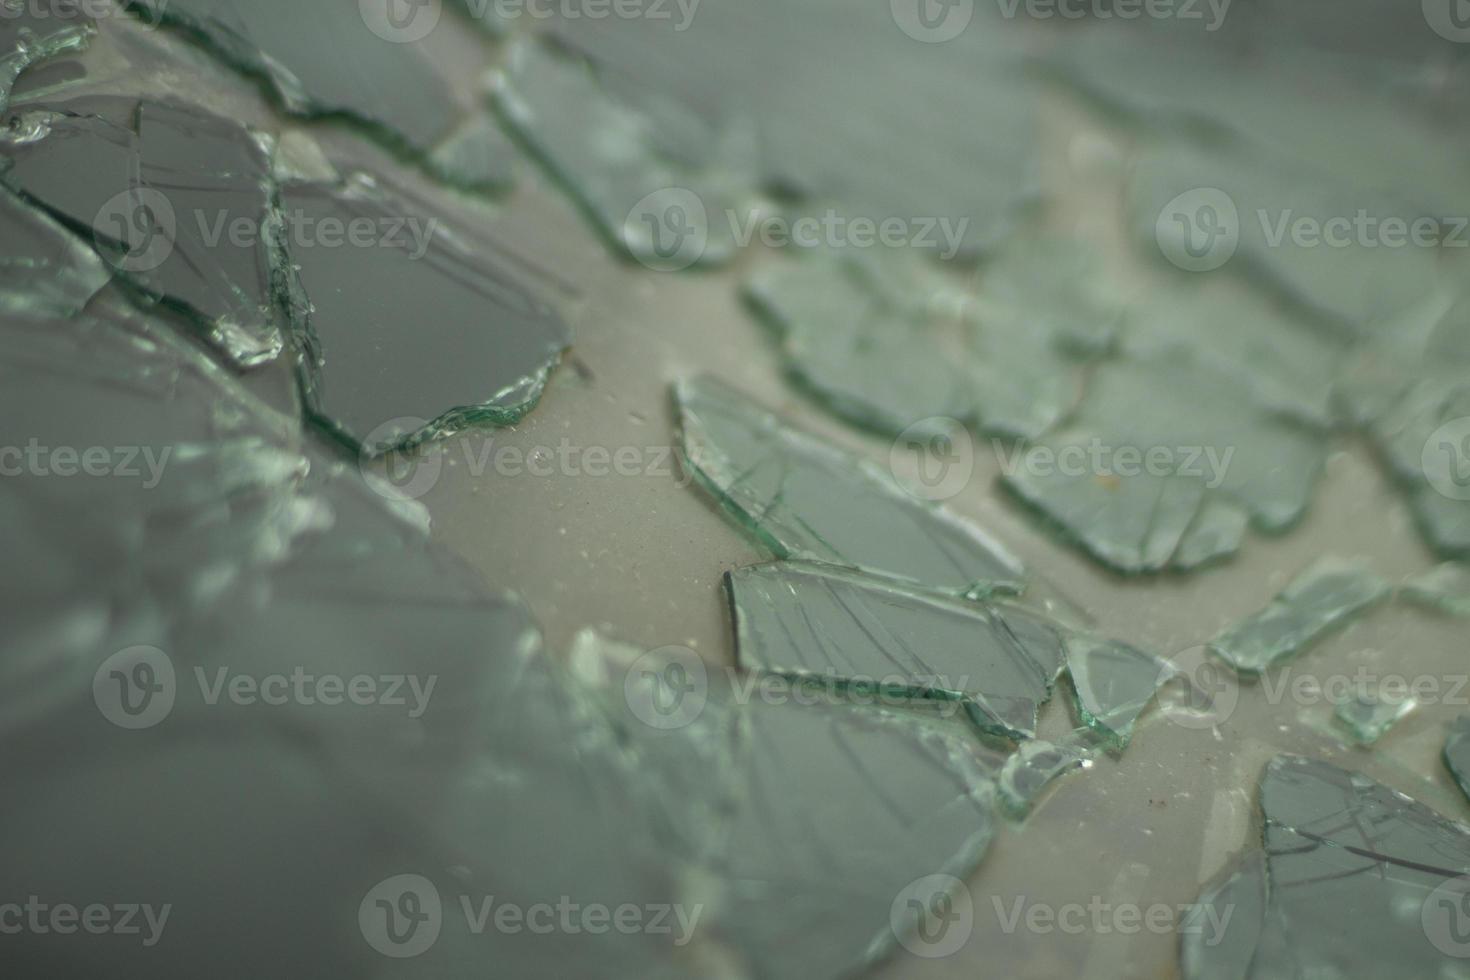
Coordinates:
column 657, row 180
column 178, row 201
column 804, row 498
column 477, row 156
column 1322, row 598
column 1112, row 683
column 850, row 632
column 336, row 59
column 482, row 345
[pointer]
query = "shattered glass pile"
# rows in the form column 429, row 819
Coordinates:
column 251, row 309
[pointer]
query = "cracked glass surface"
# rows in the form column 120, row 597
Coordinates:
column 44, row 269
column 842, row 630
column 163, row 190
column 483, row 345
column 388, row 85
column 802, row 497
column 1212, row 457
column 1112, row 683
column 657, row 180
column 1343, row 856
column 1323, row 598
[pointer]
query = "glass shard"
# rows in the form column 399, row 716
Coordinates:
column 1134, row 488
column 1058, row 288
column 44, row 270
column 1368, row 714
column 482, row 345
column 29, row 34
column 804, row 498
column 1457, row 752
column 382, row 82
column 658, row 181
column 477, row 156
column 178, row 201
column 1112, row 683
column 841, row 631
column 1322, row 598
column 1220, row 932
column 1032, row 769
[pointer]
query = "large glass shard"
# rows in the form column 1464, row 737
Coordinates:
column 1368, row 714
column 1134, row 488
column 657, row 180
column 790, row 83
column 1033, row 767
column 481, row 347
column 1354, row 880
column 1220, row 932
column 843, row 631
column 804, row 498
column 1322, row 598
column 178, row 201
column 1457, row 752
column 886, row 341
column 1112, row 683
column 1181, row 200
column 44, row 270
column 373, row 73
column 30, row 34
column 857, row 827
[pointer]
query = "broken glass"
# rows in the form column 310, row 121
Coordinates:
column 1033, row 767
column 842, row 631
column 29, row 36
column 44, row 270
column 1368, row 714
column 1112, row 683
column 802, row 497
column 482, row 345
column 1133, row 487
column 477, row 156
column 1446, row 587
column 387, row 82
column 656, row 179
column 1343, row 857
column 178, row 201
column 1322, row 598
